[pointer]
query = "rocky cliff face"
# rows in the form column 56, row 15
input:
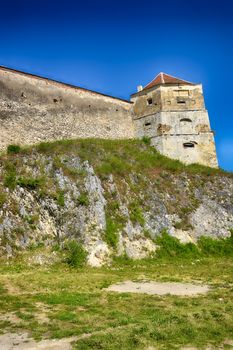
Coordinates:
column 114, row 197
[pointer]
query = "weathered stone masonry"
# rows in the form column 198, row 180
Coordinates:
column 34, row 109
column 170, row 111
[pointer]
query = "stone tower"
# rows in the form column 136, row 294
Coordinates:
column 171, row 112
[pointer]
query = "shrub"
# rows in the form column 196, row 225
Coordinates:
column 113, row 164
column 29, row 183
column 83, row 199
column 136, row 215
column 147, row 234
column 10, row 180
column 171, row 247
column 2, row 199
column 44, row 147
column 111, row 235
column 61, row 198
column 216, row 247
column 146, row 140
column 12, row 149
column 76, row 255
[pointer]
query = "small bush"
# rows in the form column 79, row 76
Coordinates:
column 10, row 180
column 111, row 236
column 31, row 219
column 61, row 198
column 113, row 164
column 216, row 247
column 136, row 215
column 146, row 140
column 147, row 234
column 12, row 149
column 76, row 255
column 29, row 183
column 44, row 147
column 2, row 199
column 171, row 247
column 83, row 199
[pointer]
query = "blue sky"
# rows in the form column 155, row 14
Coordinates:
column 113, row 46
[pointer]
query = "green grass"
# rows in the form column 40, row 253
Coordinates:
column 111, row 232
column 3, row 198
column 60, row 197
column 170, row 247
column 10, row 180
column 75, row 302
column 76, row 255
column 83, row 199
column 12, row 149
column 136, row 215
column 30, row 183
column 118, row 156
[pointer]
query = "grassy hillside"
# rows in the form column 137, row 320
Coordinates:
column 139, row 186
column 118, row 157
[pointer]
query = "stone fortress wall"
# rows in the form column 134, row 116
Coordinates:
column 170, row 111
column 35, row 109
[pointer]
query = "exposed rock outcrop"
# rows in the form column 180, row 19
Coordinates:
column 49, row 198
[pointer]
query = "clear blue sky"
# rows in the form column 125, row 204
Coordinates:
column 112, row 46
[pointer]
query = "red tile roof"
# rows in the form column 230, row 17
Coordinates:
column 163, row 78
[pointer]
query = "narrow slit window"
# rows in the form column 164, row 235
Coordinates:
column 147, row 123
column 181, row 101
column 186, row 120
column 188, row 145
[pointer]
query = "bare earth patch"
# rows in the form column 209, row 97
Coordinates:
column 13, row 341
column 159, row 288
column 22, row 341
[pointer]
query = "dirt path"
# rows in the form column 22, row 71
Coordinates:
column 22, row 341
column 14, row 341
column 159, row 288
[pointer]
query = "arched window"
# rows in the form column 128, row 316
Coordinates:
column 186, row 120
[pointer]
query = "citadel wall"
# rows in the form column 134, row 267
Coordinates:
column 171, row 113
column 34, row 109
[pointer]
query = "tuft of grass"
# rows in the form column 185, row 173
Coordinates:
column 3, row 198
column 216, row 247
column 60, row 198
column 12, row 149
column 75, row 254
column 170, row 247
column 30, row 183
column 146, row 140
column 113, row 164
column 136, row 215
column 83, row 199
column 10, row 180
column 111, row 232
